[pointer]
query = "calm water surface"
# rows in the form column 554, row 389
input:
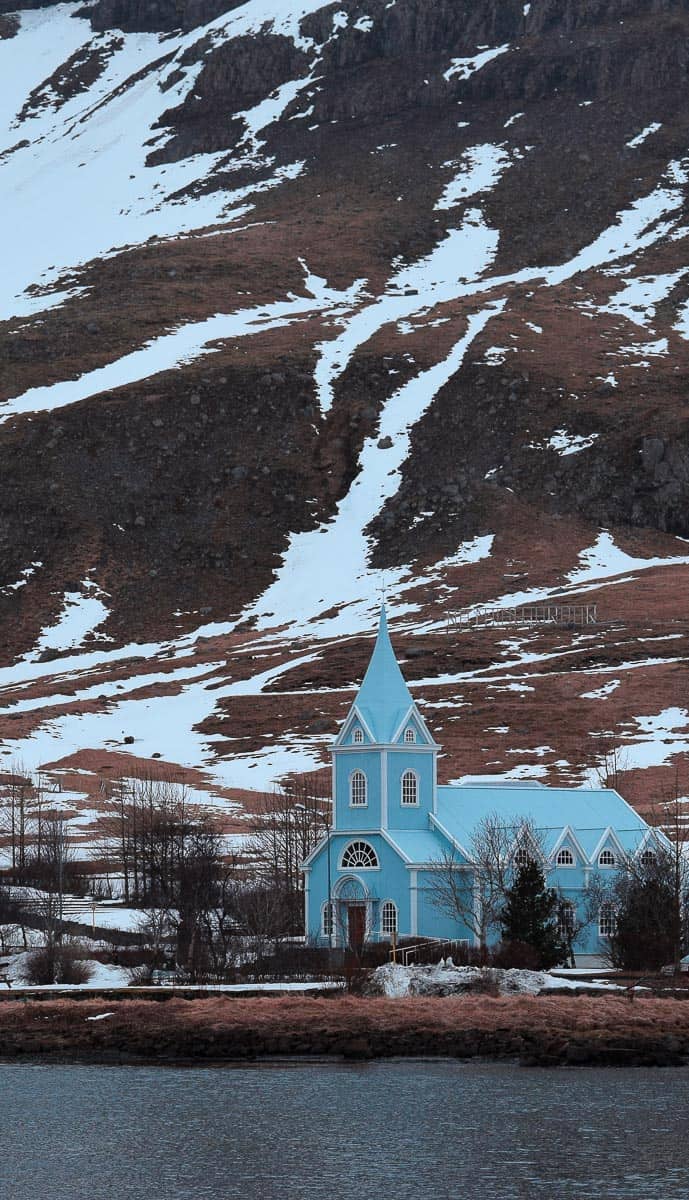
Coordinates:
column 385, row 1131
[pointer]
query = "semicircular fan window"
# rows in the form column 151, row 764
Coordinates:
column 359, row 854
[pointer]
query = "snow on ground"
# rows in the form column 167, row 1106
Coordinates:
column 462, row 68
column 644, row 222
column 334, row 557
column 603, row 692
column 445, row 979
column 638, row 298
column 656, row 739
column 184, row 344
column 645, row 133
column 98, row 134
column 82, row 613
column 565, row 443
column 464, row 254
column 107, row 133
column 24, row 577
column 103, row 975
column 479, row 169
column 604, row 559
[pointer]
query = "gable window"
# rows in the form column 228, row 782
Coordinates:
column 328, row 918
column 359, row 854
column 522, row 856
column 606, row 858
column 565, row 858
column 409, row 736
column 388, row 918
column 565, row 920
column 357, row 790
column 410, row 788
column 606, row 921
column 358, row 735
column 647, row 859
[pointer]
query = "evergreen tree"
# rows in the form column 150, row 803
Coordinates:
column 644, row 903
column 530, row 916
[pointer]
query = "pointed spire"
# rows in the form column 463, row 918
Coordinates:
column 384, row 697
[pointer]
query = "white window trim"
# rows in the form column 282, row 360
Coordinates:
column 409, row 803
column 359, row 803
column 607, row 866
column 410, row 741
column 608, row 914
column 358, row 866
column 388, row 932
column 565, row 929
column 328, row 904
column 566, row 866
column 357, row 736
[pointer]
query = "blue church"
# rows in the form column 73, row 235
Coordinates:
column 396, row 832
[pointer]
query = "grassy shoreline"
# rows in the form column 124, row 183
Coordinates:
column 535, row 1030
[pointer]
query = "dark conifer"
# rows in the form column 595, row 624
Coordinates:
column 530, row 916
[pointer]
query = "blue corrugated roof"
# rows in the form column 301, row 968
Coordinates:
column 420, row 845
column 587, row 812
column 384, row 698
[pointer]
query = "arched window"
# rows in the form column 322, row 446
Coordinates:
column 328, row 918
column 388, row 918
column 606, row 858
column 358, row 735
column 565, row 858
column 522, row 856
column 606, row 921
column 565, row 919
column 410, row 788
column 359, row 854
column 647, row 859
column 410, row 735
column 357, row 789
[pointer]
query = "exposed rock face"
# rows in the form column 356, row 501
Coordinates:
column 439, row 253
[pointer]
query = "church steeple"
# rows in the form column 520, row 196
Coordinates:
column 384, row 698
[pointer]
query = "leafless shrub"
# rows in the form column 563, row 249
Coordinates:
column 63, row 963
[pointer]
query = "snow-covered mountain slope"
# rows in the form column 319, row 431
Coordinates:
column 303, row 301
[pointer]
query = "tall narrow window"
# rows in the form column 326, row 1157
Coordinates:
column 410, row 788
column 358, row 735
column 388, row 918
column 409, row 735
column 565, row 919
column 357, row 789
column 328, row 918
column 606, row 921
column 522, row 856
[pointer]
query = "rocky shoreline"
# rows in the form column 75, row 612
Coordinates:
column 534, row 1031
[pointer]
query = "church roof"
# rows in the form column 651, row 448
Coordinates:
column 587, row 812
column 384, row 698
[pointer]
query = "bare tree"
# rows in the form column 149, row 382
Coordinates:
column 573, row 918
column 285, row 829
column 611, row 761
column 474, row 892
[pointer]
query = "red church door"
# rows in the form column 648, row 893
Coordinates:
column 356, row 925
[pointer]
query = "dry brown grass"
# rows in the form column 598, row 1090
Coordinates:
column 144, row 1021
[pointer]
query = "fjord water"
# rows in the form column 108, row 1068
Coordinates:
column 399, row 1130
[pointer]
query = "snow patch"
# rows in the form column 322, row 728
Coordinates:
column 82, row 614
column 462, row 68
column 604, row 559
column 645, row 133
column 480, row 169
column 602, row 692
